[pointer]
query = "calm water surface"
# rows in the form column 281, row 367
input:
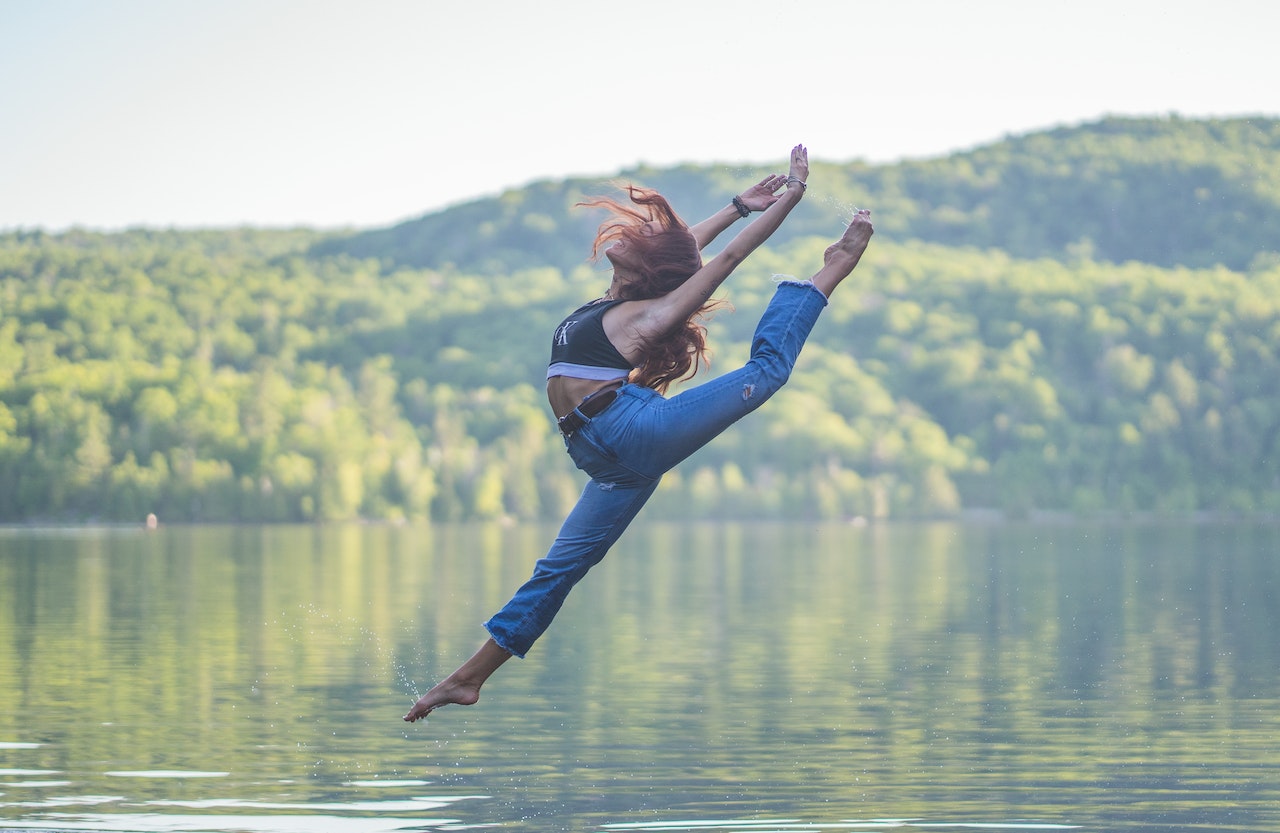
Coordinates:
column 725, row 678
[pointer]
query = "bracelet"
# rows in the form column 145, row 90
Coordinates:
column 741, row 206
column 803, row 185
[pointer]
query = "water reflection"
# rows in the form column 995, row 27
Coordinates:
column 724, row 677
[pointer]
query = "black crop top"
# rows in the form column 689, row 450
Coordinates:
column 581, row 349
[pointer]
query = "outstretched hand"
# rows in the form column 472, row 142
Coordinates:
column 800, row 163
column 762, row 195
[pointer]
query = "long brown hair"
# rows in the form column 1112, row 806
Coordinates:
column 666, row 260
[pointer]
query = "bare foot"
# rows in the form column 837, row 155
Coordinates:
column 448, row 692
column 849, row 248
column 841, row 256
column 462, row 687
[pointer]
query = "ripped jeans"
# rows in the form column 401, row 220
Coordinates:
column 629, row 446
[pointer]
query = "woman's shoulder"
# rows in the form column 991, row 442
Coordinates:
column 597, row 307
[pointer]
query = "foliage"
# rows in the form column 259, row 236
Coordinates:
column 284, row 375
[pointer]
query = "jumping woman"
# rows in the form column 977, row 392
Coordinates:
column 611, row 363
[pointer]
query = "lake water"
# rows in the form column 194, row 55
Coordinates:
column 744, row 678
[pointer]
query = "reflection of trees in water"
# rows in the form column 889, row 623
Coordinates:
column 934, row 659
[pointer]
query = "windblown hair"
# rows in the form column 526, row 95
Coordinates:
column 666, row 260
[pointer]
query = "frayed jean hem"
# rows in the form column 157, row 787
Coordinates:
column 498, row 640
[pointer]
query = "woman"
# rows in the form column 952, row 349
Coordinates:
column 611, row 363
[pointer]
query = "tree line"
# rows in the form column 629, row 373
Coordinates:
column 284, row 375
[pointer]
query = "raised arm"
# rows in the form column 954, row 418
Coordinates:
column 756, row 198
column 641, row 321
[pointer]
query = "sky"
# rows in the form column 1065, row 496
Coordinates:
column 178, row 113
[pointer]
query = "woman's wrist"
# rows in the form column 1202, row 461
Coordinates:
column 795, row 180
column 741, row 207
column 793, row 192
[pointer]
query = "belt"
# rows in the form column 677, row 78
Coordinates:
column 587, row 409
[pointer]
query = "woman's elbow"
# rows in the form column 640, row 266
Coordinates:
column 730, row 258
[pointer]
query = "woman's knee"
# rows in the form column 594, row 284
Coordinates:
column 772, row 373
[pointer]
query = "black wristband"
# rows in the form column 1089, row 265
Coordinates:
column 743, row 211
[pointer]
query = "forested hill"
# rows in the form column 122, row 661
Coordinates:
column 1170, row 192
column 1082, row 320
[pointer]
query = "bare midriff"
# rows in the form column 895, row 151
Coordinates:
column 565, row 392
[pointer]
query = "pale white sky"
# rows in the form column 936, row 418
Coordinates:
column 325, row 113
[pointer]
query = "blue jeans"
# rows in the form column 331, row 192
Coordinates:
column 629, row 446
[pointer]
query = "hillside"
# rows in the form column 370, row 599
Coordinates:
column 1169, row 192
column 295, row 375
